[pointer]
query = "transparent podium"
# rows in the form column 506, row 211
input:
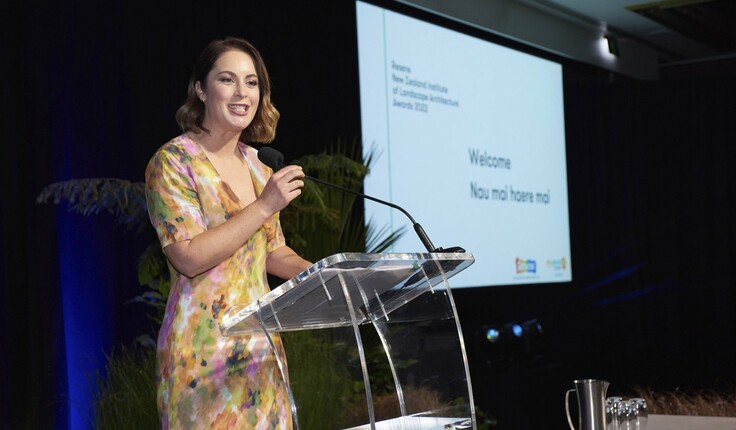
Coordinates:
column 394, row 319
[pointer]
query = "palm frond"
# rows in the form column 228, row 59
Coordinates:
column 125, row 200
column 380, row 240
column 317, row 227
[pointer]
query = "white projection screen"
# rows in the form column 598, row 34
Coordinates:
column 468, row 136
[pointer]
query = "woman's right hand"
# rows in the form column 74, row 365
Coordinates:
column 207, row 249
column 282, row 187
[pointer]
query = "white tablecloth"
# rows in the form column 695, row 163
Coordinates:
column 686, row 422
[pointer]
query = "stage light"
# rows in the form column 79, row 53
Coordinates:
column 493, row 335
column 512, row 345
column 517, row 330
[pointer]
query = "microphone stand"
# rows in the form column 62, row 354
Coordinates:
column 417, row 228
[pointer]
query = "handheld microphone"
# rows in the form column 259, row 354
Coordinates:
column 275, row 160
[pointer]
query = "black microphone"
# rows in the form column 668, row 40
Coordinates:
column 275, row 160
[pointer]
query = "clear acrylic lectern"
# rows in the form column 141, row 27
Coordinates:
column 405, row 302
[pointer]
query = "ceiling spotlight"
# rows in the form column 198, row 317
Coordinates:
column 612, row 45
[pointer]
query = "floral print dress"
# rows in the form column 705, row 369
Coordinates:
column 206, row 380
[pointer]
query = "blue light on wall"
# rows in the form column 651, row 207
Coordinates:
column 85, row 301
column 84, row 276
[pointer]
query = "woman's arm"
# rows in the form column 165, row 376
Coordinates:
column 207, row 249
column 285, row 263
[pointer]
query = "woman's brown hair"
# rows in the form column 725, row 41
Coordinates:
column 191, row 114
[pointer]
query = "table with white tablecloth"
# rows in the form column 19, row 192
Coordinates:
column 689, row 422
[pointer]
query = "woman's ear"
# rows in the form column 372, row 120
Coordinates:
column 200, row 93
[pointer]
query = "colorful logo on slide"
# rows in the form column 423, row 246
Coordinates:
column 526, row 266
column 557, row 265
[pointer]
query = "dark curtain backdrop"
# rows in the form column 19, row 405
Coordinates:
column 90, row 90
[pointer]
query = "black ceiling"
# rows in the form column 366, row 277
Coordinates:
column 710, row 22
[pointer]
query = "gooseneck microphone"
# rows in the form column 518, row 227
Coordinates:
column 275, row 160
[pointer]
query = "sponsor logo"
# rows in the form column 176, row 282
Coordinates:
column 557, row 265
column 526, row 266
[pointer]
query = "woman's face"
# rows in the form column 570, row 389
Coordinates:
column 230, row 93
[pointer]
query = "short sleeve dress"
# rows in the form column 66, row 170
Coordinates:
column 206, row 380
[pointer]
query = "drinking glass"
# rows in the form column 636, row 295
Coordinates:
column 640, row 413
column 625, row 415
column 612, row 405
